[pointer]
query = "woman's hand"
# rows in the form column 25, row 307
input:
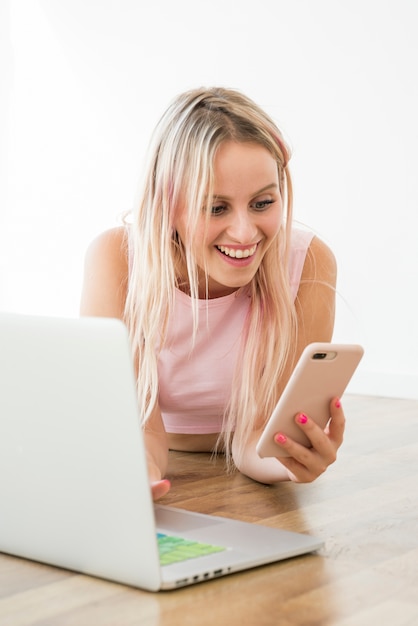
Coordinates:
column 159, row 488
column 306, row 464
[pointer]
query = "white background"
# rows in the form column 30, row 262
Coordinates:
column 83, row 83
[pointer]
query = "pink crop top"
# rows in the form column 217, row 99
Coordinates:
column 195, row 384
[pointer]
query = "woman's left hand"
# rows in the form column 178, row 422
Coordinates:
column 306, row 464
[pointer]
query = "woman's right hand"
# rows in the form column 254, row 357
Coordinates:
column 160, row 488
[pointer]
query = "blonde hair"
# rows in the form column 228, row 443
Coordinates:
column 180, row 172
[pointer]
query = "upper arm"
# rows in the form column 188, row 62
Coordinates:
column 105, row 275
column 104, row 293
column 315, row 301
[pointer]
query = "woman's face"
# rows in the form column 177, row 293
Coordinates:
column 245, row 217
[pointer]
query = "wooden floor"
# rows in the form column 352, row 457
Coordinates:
column 365, row 508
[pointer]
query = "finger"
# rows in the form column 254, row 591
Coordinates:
column 306, row 464
column 298, row 473
column 322, row 447
column 160, row 488
column 336, row 425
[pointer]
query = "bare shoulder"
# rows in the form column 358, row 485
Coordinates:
column 106, row 274
column 320, row 263
column 113, row 242
column 315, row 302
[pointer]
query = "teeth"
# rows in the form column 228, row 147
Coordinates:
column 237, row 254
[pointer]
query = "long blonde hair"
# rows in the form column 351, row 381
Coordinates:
column 180, row 172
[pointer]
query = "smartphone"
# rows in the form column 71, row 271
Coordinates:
column 322, row 373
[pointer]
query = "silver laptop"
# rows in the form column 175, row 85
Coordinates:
column 74, row 489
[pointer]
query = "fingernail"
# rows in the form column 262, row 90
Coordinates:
column 302, row 419
column 338, row 404
column 280, row 438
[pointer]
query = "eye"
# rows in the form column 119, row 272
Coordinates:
column 218, row 209
column 262, row 205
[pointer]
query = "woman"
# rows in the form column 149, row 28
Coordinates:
column 218, row 290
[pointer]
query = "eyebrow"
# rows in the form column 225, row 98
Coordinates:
column 257, row 193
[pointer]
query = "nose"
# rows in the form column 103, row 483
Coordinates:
column 242, row 228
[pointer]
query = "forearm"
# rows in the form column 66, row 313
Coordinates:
column 156, row 446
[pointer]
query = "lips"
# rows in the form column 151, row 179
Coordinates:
column 238, row 253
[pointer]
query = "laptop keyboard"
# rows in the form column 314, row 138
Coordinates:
column 176, row 549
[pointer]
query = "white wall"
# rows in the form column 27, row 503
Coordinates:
column 84, row 82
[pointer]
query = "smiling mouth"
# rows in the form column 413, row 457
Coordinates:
column 238, row 253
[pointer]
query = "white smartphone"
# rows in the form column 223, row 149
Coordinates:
column 322, row 373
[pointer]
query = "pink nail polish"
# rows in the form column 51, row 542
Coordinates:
column 302, row 419
column 280, row 438
column 338, row 404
